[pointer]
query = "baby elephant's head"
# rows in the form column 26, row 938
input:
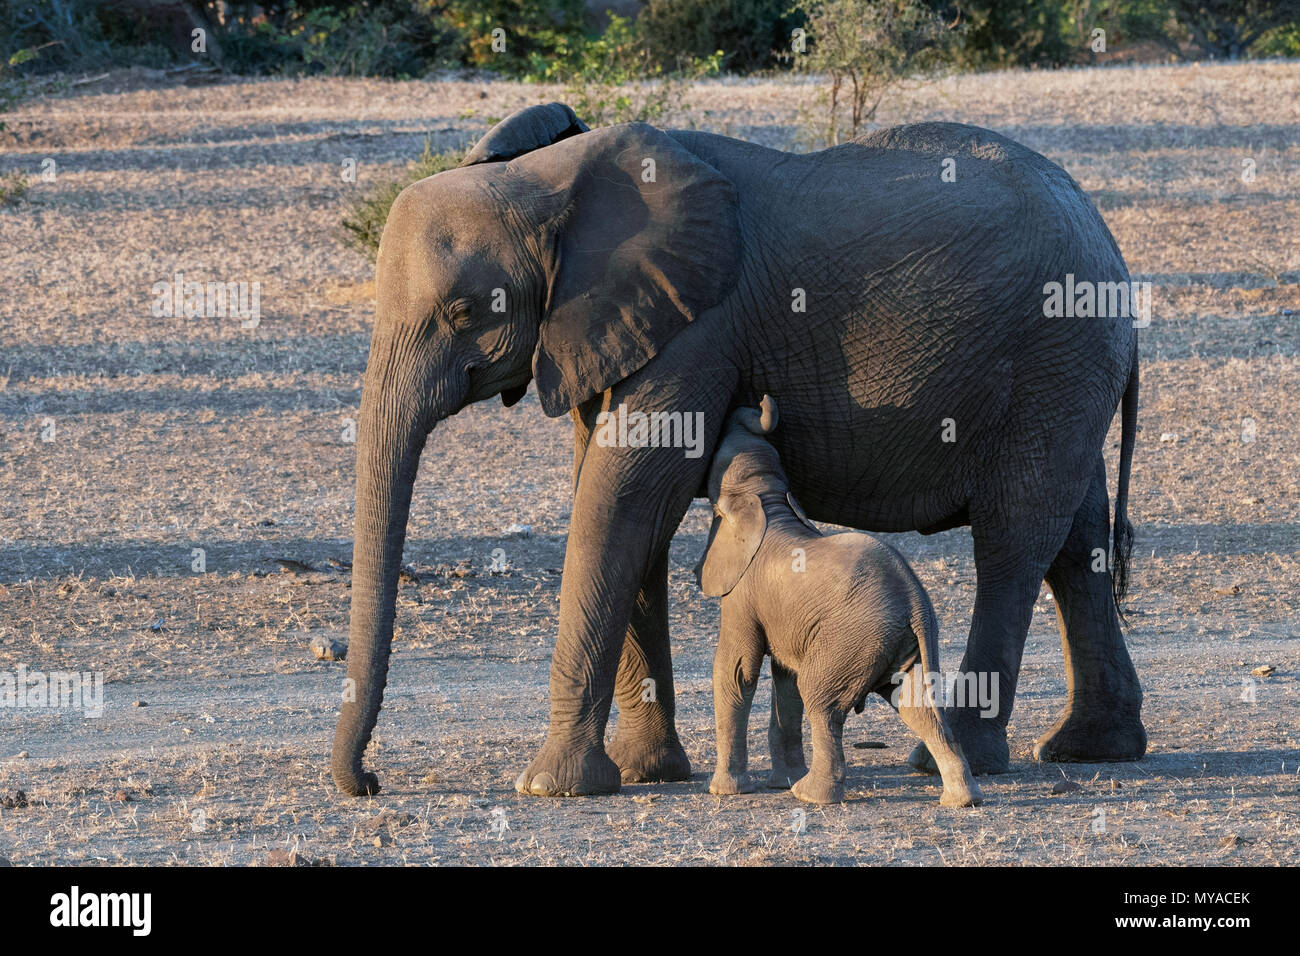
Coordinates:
column 744, row 467
column 745, row 460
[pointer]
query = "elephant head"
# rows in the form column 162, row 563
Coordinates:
column 745, row 469
column 555, row 254
column 744, row 466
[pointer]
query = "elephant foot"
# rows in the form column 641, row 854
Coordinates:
column 1096, row 736
column 726, row 784
column 783, row 778
column 814, row 789
column 963, row 795
column 569, row 771
column 639, row 760
column 983, row 744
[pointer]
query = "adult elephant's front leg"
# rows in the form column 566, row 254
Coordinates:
column 645, row 745
column 627, row 504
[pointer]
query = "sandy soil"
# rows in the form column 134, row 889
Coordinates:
column 171, row 434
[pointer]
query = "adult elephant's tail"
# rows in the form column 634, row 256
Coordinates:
column 1123, row 534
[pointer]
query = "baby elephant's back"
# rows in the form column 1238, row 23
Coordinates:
column 884, row 595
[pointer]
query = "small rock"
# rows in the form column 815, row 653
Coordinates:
column 288, row 858
column 519, row 531
column 1065, row 786
column 290, row 566
column 1263, row 670
column 870, row 745
column 329, row 648
column 1169, row 436
column 14, row 801
column 22, row 755
column 385, row 824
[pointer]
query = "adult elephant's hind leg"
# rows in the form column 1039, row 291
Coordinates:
column 1009, row 568
column 1102, row 718
column 645, row 744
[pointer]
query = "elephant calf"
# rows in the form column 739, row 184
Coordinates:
column 839, row 614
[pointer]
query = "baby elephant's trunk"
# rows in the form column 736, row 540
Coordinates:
column 761, row 420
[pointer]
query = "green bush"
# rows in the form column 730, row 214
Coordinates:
column 1007, row 33
column 79, row 35
column 395, row 38
column 534, row 30
column 613, row 78
column 364, row 218
column 1283, row 41
column 750, row 31
column 13, row 187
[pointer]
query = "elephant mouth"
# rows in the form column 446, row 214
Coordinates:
column 511, row 395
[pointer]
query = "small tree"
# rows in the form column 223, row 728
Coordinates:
column 867, row 47
column 1226, row 29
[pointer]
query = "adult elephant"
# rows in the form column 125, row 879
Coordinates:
column 888, row 293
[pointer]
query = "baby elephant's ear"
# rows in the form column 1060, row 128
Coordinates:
column 733, row 541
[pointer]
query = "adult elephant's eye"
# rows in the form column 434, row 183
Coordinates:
column 461, row 314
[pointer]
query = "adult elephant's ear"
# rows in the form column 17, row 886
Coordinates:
column 524, row 131
column 643, row 237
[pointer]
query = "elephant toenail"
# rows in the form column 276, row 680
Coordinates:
column 544, row 784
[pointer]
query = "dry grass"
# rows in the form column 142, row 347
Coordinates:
column 174, row 434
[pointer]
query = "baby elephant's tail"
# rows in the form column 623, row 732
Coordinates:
column 922, row 710
column 925, row 625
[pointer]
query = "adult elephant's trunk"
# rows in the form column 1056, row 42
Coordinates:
column 390, row 437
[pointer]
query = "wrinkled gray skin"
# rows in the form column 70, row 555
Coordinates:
column 841, row 616
column 689, row 272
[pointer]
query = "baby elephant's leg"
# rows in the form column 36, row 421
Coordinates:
column 922, row 714
column 735, row 678
column 824, row 783
column 785, row 733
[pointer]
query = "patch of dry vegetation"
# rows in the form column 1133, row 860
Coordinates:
column 176, row 434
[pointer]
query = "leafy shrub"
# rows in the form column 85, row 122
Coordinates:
column 748, row 30
column 614, row 78
column 364, row 218
column 397, row 38
column 533, row 31
column 867, row 47
column 1006, row 33
column 80, row 35
column 13, row 187
column 1282, row 41
column 1229, row 29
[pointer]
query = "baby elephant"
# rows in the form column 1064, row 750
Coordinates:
column 839, row 614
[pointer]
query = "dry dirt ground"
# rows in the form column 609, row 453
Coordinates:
column 175, row 434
